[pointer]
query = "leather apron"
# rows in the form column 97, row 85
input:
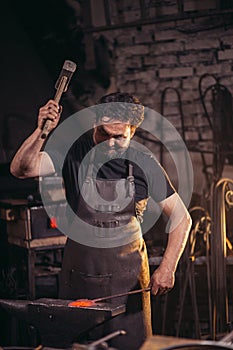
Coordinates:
column 90, row 272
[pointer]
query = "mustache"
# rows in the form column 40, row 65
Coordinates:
column 107, row 148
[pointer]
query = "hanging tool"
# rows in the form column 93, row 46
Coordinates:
column 181, row 114
column 202, row 226
column 220, row 120
column 190, row 280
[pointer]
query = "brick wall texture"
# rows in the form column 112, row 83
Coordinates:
column 175, row 55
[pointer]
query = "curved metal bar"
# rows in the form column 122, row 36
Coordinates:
column 219, row 254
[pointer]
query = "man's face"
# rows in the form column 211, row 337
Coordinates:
column 116, row 137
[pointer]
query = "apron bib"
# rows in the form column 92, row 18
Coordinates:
column 89, row 272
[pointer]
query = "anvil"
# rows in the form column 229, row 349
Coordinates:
column 58, row 324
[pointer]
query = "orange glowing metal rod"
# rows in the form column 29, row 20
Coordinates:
column 92, row 302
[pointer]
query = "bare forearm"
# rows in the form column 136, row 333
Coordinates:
column 163, row 278
column 177, row 240
column 26, row 161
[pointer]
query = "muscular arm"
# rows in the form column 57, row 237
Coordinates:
column 27, row 160
column 180, row 224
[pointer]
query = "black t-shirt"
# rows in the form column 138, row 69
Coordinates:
column 149, row 177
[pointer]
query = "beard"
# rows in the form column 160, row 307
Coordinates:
column 111, row 152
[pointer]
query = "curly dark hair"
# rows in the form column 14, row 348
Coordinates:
column 121, row 106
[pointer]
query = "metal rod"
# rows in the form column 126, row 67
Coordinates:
column 123, row 294
column 107, row 337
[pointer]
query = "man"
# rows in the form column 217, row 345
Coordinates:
column 109, row 197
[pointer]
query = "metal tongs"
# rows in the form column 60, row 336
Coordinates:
column 91, row 302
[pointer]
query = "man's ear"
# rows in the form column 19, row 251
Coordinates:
column 132, row 130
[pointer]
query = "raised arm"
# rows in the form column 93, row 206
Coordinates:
column 163, row 277
column 27, row 160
